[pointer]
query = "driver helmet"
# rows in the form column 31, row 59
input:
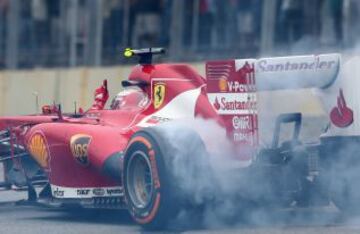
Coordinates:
column 131, row 98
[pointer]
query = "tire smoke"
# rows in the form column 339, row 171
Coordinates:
column 221, row 194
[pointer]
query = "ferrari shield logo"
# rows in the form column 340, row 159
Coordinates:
column 159, row 94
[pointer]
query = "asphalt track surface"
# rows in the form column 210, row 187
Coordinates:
column 17, row 216
column 22, row 217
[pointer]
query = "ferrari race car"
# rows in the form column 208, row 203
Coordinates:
column 148, row 152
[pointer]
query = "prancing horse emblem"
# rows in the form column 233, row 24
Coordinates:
column 158, row 94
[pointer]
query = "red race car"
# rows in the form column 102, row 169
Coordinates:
column 129, row 156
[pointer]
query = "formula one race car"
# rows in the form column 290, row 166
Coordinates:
column 131, row 155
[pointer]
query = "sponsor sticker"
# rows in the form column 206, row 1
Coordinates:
column 159, row 94
column 236, row 86
column 83, row 192
column 154, row 169
column 113, row 191
column 79, row 145
column 341, row 115
column 98, row 192
column 70, row 192
column 243, row 137
column 223, row 84
column 39, row 150
column 241, row 123
column 157, row 120
column 290, row 64
column 232, row 104
column 58, row 192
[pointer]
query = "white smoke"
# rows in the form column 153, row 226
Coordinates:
column 208, row 176
column 222, row 194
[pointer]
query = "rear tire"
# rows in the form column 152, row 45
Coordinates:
column 153, row 192
column 346, row 195
column 340, row 157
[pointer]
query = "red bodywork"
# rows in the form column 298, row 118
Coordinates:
column 78, row 153
column 73, row 151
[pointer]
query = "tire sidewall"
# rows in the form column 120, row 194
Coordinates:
column 154, row 214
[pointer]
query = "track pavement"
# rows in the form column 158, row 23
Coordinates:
column 23, row 217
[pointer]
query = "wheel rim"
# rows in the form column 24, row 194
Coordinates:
column 139, row 180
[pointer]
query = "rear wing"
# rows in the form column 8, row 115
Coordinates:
column 296, row 72
column 232, row 87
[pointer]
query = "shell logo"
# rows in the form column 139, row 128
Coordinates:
column 38, row 149
column 223, row 84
